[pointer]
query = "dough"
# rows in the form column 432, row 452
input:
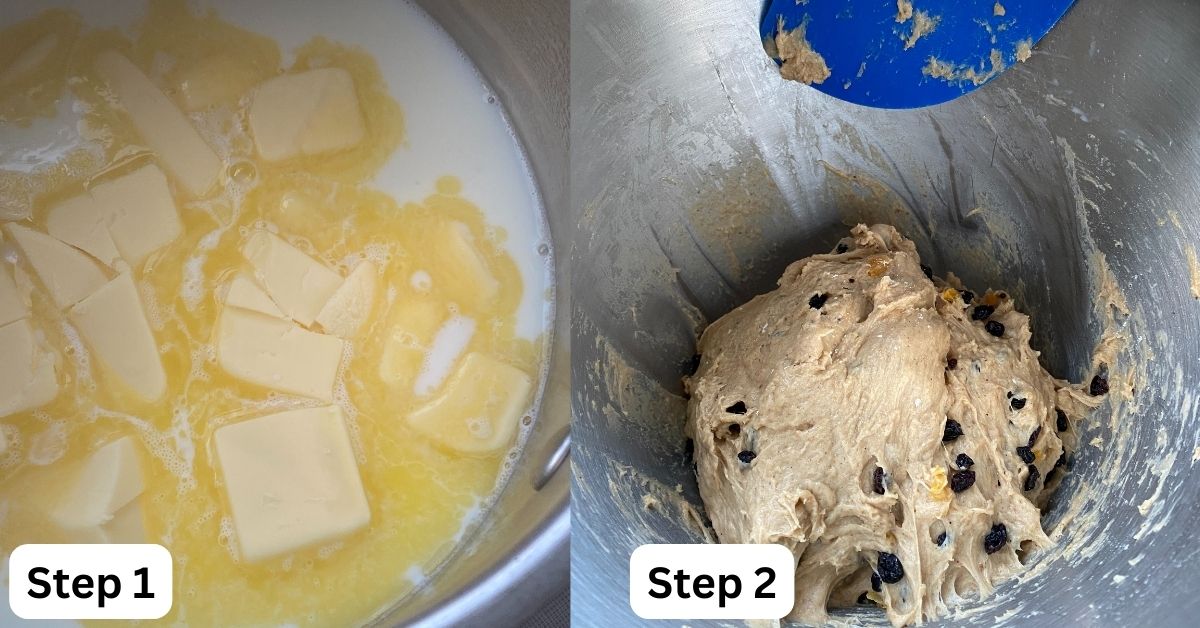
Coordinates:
column 821, row 414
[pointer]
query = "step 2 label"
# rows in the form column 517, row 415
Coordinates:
column 712, row 581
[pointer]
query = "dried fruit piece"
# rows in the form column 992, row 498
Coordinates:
column 1017, row 403
column 962, row 480
column 995, row 328
column 1025, row 454
column 949, row 295
column 817, row 301
column 737, row 408
column 967, row 296
column 1031, row 480
column 876, row 582
column 982, row 312
column 877, row 481
column 964, row 461
column 1034, row 435
column 1099, row 386
column 951, row 364
column 995, row 539
column 747, row 456
column 941, row 539
column 842, row 247
column 735, row 429
column 952, row 431
column 889, row 568
column 1060, row 421
column 927, row 270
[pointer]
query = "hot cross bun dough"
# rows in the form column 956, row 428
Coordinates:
column 830, row 416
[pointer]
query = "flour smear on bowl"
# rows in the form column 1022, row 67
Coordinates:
column 271, row 296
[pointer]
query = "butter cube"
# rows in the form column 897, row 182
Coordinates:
column 13, row 305
column 461, row 269
column 291, row 480
column 246, row 294
column 77, row 222
column 306, row 113
column 114, row 326
column 101, row 502
column 27, row 370
column 351, row 304
column 277, row 354
column 297, row 283
column 161, row 125
column 67, row 274
column 139, row 213
column 410, row 334
column 479, row 409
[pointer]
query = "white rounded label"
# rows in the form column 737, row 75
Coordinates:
column 90, row 581
column 712, row 581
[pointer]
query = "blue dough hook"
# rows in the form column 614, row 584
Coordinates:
column 900, row 54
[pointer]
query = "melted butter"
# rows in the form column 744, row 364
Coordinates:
column 419, row 494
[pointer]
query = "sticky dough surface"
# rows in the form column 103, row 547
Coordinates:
column 864, row 381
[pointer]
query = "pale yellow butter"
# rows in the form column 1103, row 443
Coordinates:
column 460, row 267
column 139, row 212
column 27, row 370
column 101, row 503
column 410, row 332
column 292, row 481
column 13, row 305
column 161, row 125
column 67, row 274
column 277, row 354
column 114, row 326
column 77, row 221
column 480, row 407
column 297, row 283
column 246, row 294
column 351, row 304
column 306, row 113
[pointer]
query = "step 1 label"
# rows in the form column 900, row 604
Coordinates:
column 90, row 581
column 712, row 581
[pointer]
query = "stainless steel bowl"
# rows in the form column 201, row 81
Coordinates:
column 518, row 560
column 698, row 175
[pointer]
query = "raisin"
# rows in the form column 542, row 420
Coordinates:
column 889, row 568
column 927, row 270
column 951, row 363
column 863, row 599
column 1025, row 454
column 1062, row 460
column 693, row 364
column 850, row 280
column 877, row 481
column 952, row 431
column 941, row 540
column 1099, row 386
column 735, row 429
column 1031, row 480
column 842, row 247
column 737, row 408
column 995, row 539
column 962, row 480
column 967, row 296
column 982, row 312
column 747, row 456
column 817, row 301
column 964, row 461
column 1061, row 420
column 995, row 328
column 1034, row 436
column 876, row 582
column 1017, row 403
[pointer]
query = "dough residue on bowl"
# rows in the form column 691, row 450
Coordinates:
column 892, row 428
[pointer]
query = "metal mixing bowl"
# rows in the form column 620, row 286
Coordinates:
column 698, row 175
column 518, row 560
